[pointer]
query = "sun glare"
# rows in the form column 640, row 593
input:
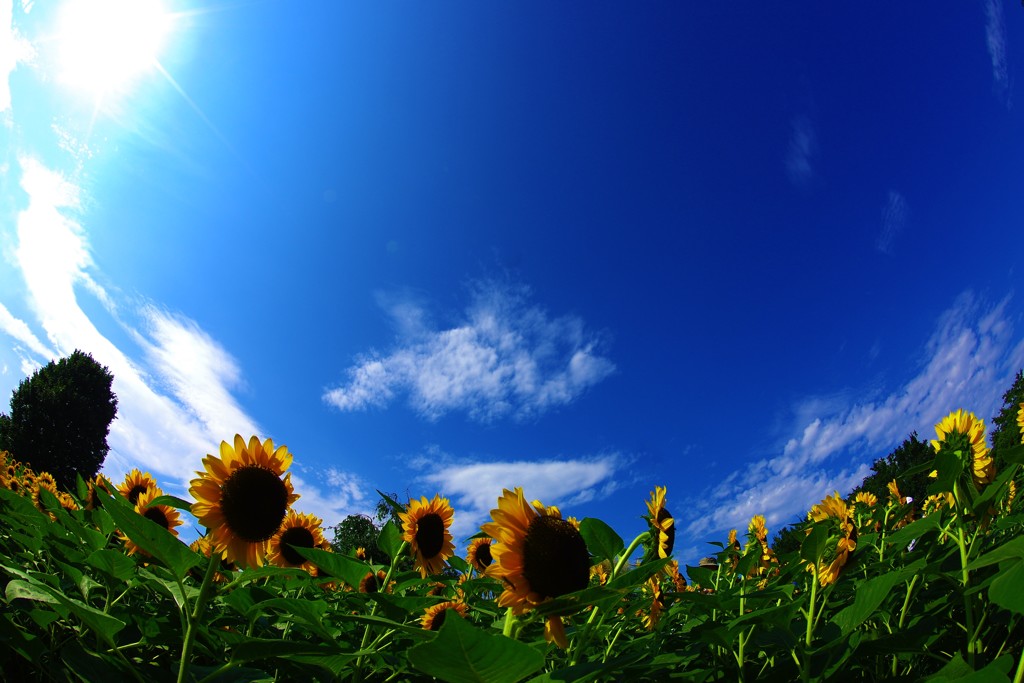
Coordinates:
column 104, row 45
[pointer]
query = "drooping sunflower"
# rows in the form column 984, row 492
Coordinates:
column 836, row 512
column 866, row 497
column 894, row 493
column 242, row 498
column 478, row 556
column 297, row 529
column 426, row 524
column 167, row 517
column 538, row 556
column 135, row 484
column 434, row 616
column 661, row 521
column 962, row 431
column 678, row 580
column 652, row 591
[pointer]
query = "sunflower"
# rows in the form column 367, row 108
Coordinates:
column 662, row 523
column 479, row 554
column 242, row 498
column 135, row 484
column 834, row 510
column 361, row 553
column 767, row 565
column 894, row 492
column 434, row 616
column 537, row 556
column 866, row 497
column 92, row 498
column 1020, row 422
column 164, row 515
column 602, row 571
column 301, row 530
column 426, row 530
column 963, row 432
column 373, row 582
column 652, row 589
column 43, row 482
column 672, row 572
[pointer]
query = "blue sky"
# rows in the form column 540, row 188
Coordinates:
column 451, row 247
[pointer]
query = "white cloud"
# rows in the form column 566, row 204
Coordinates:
column 175, row 400
column 803, row 147
column 505, row 358
column 995, row 39
column 474, row 487
column 894, row 218
column 968, row 362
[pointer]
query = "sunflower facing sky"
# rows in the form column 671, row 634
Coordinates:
column 135, row 484
column 962, row 431
column 297, row 529
column 478, row 556
column 243, row 497
column 538, row 556
column 167, row 517
column 425, row 525
column 662, row 523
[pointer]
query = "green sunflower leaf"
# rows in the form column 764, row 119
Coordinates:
column 1006, row 589
column 151, row 537
column 602, row 541
column 172, row 501
column 112, row 563
column 1014, row 454
column 463, row 654
column 813, row 546
column 869, row 594
column 349, row 570
column 390, row 539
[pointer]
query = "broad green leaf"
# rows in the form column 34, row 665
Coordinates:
column 602, row 541
column 348, row 569
column 813, row 546
column 112, row 563
column 262, row 648
column 949, row 464
column 1014, row 454
column 462, row 653
column 1012, row 549
column 960, row 671
column 1006, row 591
column 172, row 501
column 395, row 506
column 917, row 529
column 29, row 591
column 390, row 539
column 309, row 612
column 152, row 538
column 870, row 594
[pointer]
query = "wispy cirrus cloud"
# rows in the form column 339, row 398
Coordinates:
column 175, row 387
column 474, row 486
column 968, row 362
column 803, row 147
column 995, row 40
column 894, row 219
column 505, row 357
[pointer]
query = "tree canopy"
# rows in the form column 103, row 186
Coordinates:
column 1005, row 431
column 60, row 418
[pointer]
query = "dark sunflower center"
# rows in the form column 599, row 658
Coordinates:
column 667, row 537
column 296, row 536
column 135, row 492
column 158, row 516
column 430, row 535
column 483, row 555
column 254, row 500
column 438, row 620
column 555, row 557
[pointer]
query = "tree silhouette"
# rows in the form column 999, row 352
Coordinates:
column 60, row 418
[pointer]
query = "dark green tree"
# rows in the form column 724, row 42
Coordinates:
column 358, row 531
column 60, row 418
column 1006, row 432
column 911, row 453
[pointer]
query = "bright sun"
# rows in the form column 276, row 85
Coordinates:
column 105, row 44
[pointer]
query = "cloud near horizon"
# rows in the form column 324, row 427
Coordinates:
column 175, row 388
column 474, row 487
column 969, row 361
column 504, row 358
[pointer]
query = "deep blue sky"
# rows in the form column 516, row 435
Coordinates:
column 449, row 247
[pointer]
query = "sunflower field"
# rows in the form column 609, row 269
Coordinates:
column 97, row 586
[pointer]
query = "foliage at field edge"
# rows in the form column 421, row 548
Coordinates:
column 97, row 585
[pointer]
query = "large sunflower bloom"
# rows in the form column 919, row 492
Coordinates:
column 135, row 484
column 167, row 517
column 662, row 523
column 434, row 616
column 478, row 556
column 962, row 431
column 538, row 556
column 243, row 497
column 426, row 530
column 301, row 530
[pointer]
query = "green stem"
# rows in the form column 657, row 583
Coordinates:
column 197, row 613
column 510, row 619
column 965, row 577
column 227, row 666
column 357, row 674
column 1019, row 676
column 624, row 558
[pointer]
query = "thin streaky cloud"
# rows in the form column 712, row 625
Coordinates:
column 894, row 219
column 175, row 397
column 995, row 40
column 505, row 358
column 968, row 362
column 803, row 147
